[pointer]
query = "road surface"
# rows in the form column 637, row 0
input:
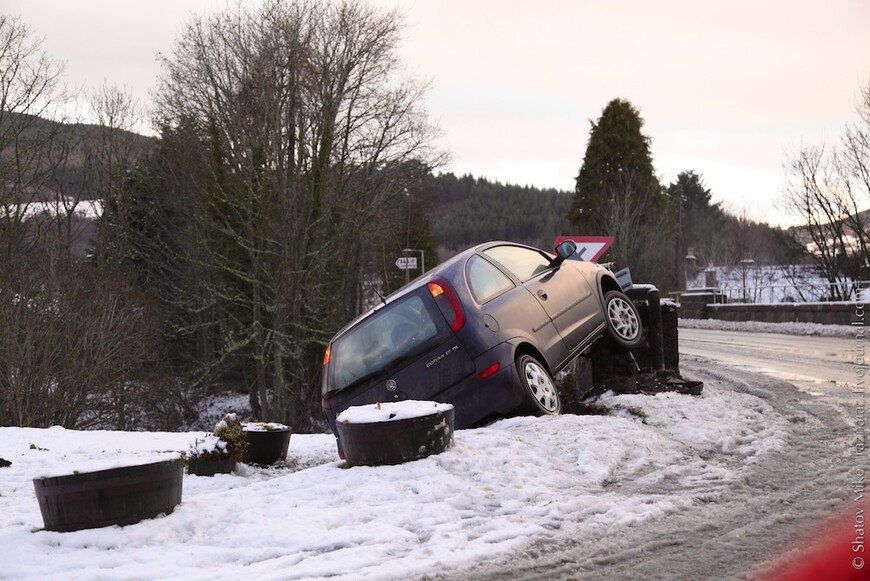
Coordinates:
column 769, row 511
column 821, row 366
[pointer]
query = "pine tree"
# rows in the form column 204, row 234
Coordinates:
column 617, row 194
column 698, row 219
column 618, row 154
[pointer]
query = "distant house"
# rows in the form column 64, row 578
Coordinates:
column 751, row 282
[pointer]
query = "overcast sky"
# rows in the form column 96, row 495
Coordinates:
column 726, row 88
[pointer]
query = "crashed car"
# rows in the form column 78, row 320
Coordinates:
column 485, row 331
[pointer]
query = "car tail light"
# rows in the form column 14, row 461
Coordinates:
column 489, row 370
column 327, row 354
column 324, row 401
column 447, row 301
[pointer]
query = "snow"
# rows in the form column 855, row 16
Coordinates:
column 97, row 464
column 500, row 489
column 89, row 209
column 790, row 328
column 214, row 407
column 264, row 427
column 209, row 444
column 757, row 283
column 391, row 411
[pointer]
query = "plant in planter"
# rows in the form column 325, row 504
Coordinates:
column 267, row 442
column 218, row 452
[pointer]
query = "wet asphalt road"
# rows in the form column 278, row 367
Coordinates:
column 821, row 366
column 774, row 509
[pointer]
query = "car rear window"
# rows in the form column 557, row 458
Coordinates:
column 394, row 333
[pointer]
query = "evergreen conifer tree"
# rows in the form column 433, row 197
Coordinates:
column 617, row 156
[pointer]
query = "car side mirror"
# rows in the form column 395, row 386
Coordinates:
column 566, row 249
column 563, row 251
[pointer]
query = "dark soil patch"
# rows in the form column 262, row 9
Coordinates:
column 649, row 384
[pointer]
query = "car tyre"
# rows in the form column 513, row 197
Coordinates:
column 542, row 397
column 624, row 330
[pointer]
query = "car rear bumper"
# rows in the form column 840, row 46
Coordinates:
column 477, row 398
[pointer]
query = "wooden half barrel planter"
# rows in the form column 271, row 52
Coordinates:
column 209, row 466
column 114, row 496
column 396, row 432
column 267, row 442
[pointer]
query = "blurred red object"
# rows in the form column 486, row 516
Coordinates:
column 836, row 552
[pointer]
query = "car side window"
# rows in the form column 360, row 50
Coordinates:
column 485, row 280
column 524, row 263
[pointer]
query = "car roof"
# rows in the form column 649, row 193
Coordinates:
column 446, row 267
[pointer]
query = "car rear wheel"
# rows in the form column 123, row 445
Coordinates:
column 542, row 397
column 623, row 321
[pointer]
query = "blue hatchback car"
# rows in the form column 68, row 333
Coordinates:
column 485, row 331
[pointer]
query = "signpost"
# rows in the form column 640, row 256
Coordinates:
column 406, row 262
column 409, row 263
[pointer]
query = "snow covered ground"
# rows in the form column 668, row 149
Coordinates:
column 499, row 489
column 808, row 329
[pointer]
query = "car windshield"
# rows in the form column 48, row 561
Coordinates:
column 524, row 263
column 388, row 336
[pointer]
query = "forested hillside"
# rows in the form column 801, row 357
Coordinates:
column 63, row 156
column 466, row 210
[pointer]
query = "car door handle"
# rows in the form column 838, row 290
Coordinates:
column 542, row 295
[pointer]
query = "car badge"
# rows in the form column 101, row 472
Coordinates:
column 392, row 385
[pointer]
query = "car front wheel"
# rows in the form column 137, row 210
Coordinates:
column 623, row 321
column 542, row 397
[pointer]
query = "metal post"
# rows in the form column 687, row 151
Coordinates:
column 656, row 338
column 422, row 257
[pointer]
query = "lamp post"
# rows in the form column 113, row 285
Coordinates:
column 422, row 261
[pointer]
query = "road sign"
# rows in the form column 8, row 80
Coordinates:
column 407, row 262
column 589, row 248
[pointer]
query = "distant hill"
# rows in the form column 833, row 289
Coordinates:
column 45, row 163
column 465, row 211
column 462, row 211
column 70, row 142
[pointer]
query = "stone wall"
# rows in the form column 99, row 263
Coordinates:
column 693, row 303
column 834, row 313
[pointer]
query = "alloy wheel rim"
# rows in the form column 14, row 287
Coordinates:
column 541, row 386
column 622, row 319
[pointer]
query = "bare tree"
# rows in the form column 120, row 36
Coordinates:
column 852, row 161
column 110, row 155
column 77, row 344
column 809, row 194
column 639, row 227
column 829, row 189
column 834, row 231
column 74, row 343
column 303, row 125
column 30, row 91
